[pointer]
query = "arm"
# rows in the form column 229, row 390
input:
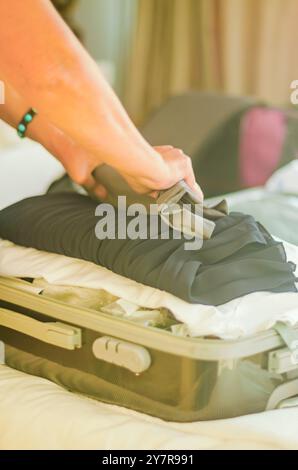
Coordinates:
column 55, row 141
column 48, row 67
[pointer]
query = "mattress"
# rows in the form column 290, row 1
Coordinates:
column 29, row 405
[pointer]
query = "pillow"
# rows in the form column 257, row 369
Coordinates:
column 26, row 168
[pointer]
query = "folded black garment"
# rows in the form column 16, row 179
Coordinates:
column 241, row 257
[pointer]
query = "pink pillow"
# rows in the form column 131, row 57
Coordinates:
column 262, row 134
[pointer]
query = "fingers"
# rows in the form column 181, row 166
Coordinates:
column 180, row 166
column 154, row 194
column 100, row 191
column 191, row 180
column 163, row 148
column 95, row 188
column 174, row 166
column 80, row 174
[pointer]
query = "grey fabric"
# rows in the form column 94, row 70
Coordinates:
column 241, row 257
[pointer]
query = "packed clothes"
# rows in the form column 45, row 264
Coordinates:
column 241, row 256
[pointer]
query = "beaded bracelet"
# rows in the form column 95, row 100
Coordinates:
column 27, row 118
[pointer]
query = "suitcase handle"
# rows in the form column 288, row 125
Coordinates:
column 282, row 393
column 56, row 333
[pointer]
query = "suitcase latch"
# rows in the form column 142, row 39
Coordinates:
column 121, row 353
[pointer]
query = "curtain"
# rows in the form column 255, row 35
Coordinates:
column 234, row 46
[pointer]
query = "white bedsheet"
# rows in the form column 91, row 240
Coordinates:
column 38, row 414
column 26, row 168
column 243, row 316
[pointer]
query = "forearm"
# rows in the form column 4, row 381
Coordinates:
column 47, row 65
column 49, row 69
column 14, row 109
column 57, row 143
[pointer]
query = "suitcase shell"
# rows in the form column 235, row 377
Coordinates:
column 147, row 369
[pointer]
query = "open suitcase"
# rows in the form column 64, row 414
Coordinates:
column 147, row 369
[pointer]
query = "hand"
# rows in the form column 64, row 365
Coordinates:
column 164, row 172
column 175, row 166
column 167, row 166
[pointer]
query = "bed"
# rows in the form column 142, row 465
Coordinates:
column 37, row 414
column 30, row 405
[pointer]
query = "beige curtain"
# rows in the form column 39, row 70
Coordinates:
column 235, row 46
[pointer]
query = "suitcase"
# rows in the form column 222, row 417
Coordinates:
column 143, row 368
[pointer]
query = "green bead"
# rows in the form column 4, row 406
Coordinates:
column 28, row 118
column 20, row 134
column 21, row 127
